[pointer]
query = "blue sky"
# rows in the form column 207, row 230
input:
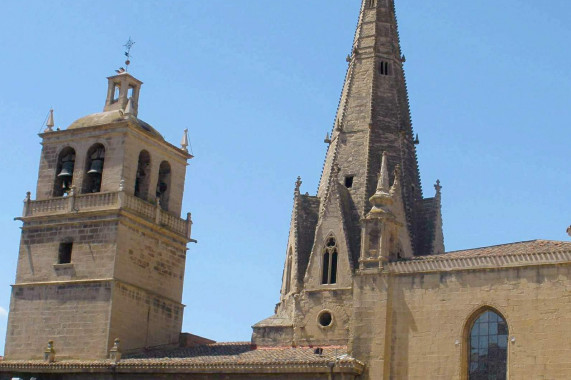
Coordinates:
column 257, row 82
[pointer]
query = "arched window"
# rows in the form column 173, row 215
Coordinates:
column 143, row 176
column 64, row 172
column 164, row 184
column 93, row 169
column 329, row 274
column 488, row 347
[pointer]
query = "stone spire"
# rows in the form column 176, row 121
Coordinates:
column 50, row 123
column 373, row 117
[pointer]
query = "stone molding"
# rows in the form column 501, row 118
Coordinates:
column 482, row 262
column 78, row 204
column 346, row 366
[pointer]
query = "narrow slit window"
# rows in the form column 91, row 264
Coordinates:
column 384, row 68
column 64, row 254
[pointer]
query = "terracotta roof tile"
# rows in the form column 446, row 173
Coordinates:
column 218, row 355
column 518, row 248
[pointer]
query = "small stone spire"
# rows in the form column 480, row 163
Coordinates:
column 184, row 141
column 129, row 108
column 382, row 196
column 50, row 123
column 383, row 184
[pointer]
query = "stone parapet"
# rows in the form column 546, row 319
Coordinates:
column 107, row 201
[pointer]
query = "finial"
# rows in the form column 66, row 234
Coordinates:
column 403, row 59
column 128, row 47
column 298, row 184
column 50, row 123
column 184, row 141
column 327, row 139
column 129, row 108
column 28, row 196
column 348, row 59
column 115, row 352
column 437, row 187
column 569, row 230
column 416, row 140
column 49, row 352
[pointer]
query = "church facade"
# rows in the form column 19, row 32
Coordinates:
column 368, row 290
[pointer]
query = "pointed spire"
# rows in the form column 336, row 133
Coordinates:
column 382, row 196
column 383, row 184
column 50, row 124
column 327, row 139
column 184, row 141
column 129, row 108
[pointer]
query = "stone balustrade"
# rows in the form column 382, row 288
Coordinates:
column 105, row 201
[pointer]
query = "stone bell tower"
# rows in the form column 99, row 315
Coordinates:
column 103, row 247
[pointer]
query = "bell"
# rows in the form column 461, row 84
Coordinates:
column 96, row 166
column 66, row 169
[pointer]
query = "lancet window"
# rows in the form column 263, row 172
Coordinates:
column 329, row 275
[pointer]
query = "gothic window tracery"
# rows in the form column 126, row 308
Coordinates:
column 329, row 274
column 488, row 347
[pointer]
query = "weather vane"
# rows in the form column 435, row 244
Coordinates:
column 128, row 47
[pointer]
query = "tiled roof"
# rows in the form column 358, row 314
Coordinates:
column 510, row 249
column 228, row 357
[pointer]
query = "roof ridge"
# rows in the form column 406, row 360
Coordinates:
column 498, row 245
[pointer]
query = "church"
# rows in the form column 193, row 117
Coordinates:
column 368, row 289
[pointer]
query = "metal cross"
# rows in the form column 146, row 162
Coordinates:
column 128, row 47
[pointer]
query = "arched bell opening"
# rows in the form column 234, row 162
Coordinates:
column 143, row 176
column 64, row 172
column 164, row 184
column 93, row 169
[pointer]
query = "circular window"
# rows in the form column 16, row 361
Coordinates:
column 325, row 319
